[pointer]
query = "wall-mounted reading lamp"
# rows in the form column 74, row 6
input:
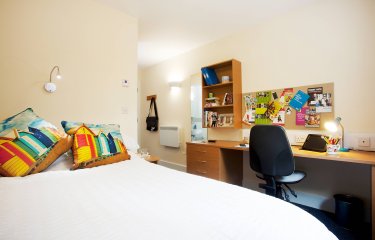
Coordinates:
column 175, row 87
column 332, row 127
column 50, row 86
column 174, row 84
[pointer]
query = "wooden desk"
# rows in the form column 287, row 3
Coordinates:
column 361, row 157
column 223, row 161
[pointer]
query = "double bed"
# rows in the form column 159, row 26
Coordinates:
column 135, row 199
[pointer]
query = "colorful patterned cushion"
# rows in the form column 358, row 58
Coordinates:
column 29, row 144
column 95, row 144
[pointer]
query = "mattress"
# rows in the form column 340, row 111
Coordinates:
column 139, row 200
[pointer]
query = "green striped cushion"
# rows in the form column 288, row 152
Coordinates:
column 26, row 142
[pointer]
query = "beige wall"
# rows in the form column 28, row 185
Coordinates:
column 95, row 47
column 329, row 41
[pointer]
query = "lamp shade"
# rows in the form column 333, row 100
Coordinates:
column 332, row 126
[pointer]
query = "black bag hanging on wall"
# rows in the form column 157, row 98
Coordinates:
column 152, row 122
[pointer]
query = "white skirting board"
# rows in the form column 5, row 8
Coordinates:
column 175, row 166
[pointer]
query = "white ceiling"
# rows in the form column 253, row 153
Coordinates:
column 170, row 27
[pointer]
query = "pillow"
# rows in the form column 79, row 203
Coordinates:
column 29, row 144
column 95, row 144
column 63, row 163
column 130, row 143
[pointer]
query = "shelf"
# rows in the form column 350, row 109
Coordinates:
column 232, row 69
column 228, row 127
column 221, row 106
column 218, row 85
column 213, row 98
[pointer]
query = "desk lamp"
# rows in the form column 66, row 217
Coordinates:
column 332, row 127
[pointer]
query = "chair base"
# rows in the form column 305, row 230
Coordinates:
column 278, row 191
column 274, row 185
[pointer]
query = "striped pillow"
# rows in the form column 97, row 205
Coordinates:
column 95, row 144
column 29, row 144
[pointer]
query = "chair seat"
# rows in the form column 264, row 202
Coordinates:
column 295, row 177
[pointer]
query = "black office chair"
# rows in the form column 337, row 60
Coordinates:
column 272, row 158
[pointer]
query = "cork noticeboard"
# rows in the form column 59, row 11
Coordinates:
column 319, row 107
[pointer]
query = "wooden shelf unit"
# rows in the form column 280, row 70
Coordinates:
column 218, row 85
column 231, row 68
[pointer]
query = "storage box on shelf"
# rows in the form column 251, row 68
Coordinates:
column 226, row 108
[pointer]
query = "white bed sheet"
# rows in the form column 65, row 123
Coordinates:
column 139, row 200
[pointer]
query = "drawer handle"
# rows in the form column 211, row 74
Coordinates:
column 203, row 161
column 202, row 151
column 201, row 172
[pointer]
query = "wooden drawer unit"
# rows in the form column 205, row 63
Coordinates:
column 203, row 160
column 220, row 160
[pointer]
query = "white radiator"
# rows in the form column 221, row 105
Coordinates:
column 169, row 136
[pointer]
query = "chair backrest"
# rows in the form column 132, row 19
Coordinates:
column 270, row 151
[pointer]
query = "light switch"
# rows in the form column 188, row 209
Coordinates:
column 124, row 110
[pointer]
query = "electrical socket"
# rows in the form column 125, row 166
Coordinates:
column 363, row 142
column 124, row 83
column 299, row 138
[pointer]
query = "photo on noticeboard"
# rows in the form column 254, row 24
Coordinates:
column 320, row 100
column 312, row 118
column 250, row 107
column 280, row 118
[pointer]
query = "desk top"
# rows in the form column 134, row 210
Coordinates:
column 222, row 144
column 362, row 157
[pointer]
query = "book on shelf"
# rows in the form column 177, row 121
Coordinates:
column 213, row 119
column 210, row 119
column 225, row 120
column 209, row 76
column 228, row 99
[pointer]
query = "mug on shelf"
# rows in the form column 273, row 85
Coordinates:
column 225, row 79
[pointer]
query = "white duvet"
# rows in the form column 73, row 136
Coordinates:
column 139, row 200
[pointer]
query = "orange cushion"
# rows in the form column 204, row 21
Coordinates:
column 95, row 144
